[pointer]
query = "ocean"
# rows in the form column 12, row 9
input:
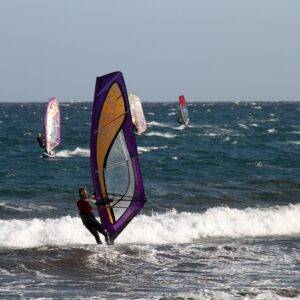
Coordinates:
column 222, row 220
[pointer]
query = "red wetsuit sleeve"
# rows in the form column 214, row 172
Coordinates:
column 84, row 207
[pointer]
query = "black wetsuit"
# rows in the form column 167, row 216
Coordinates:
column 41, row 141
column 89, row 220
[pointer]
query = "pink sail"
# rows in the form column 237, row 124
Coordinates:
column 52, row 124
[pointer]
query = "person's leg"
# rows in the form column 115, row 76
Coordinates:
column 94, row 232
column 100, row 228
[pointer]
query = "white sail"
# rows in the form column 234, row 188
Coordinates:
column 138, row 118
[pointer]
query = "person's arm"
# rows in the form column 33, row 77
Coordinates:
column 103, row 202
column 92, row 201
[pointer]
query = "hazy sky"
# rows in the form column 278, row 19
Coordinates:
column 208, row 50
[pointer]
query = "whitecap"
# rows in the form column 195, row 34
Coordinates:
column 243, row 126
column 148, row 149
column 154, row 123
column 180, row 127
column 160, row 134
column 260, row 164
column 77, row 152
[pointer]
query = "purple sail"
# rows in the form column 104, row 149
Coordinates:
column 116, row 173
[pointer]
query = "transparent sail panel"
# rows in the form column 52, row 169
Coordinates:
column 52, row 133
column 119, row 176
column 185, row 114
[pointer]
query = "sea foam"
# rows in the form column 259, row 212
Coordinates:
column 77, row 152
column 167, row 228
column 160, row 134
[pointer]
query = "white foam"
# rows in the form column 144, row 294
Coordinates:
column 216, row 222
column 260, row 164
column 154, row 123
column 180, row 127
column 271, row 130
column 171, row 227
column 172, row 113
column 243, row 126
column 25, row 208
column 148, row 149
column 77, row 152
column 159, row 134
column 254, row 294
column 212, row 134
column 38, row 232
column 294, row 142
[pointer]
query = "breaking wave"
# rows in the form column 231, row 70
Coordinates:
column 77, row 152
column 170, row 227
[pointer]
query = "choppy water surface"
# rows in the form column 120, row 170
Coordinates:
column 232, row 180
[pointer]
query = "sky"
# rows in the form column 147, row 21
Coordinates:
column 207, row 50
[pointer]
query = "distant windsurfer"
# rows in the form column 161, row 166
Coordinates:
column 87, row 216
column 41, row 139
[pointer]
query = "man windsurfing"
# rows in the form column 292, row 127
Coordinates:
column 41, row 139
column 85, row 208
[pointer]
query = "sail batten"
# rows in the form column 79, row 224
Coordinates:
column 114, row 157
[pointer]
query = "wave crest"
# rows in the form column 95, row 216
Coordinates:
column 170, row 227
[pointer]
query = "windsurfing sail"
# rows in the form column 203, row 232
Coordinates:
column 138, row 118
column 116, row 174
column 183, row 115
column 52, row 125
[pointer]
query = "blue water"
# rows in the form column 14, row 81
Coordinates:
column 222, row 221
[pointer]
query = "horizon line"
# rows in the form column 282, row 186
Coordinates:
column 160, row 101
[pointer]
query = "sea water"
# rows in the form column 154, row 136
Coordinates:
column 222, row 220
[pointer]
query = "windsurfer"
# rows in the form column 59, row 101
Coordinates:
column 87, row 216
column 40, row 138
